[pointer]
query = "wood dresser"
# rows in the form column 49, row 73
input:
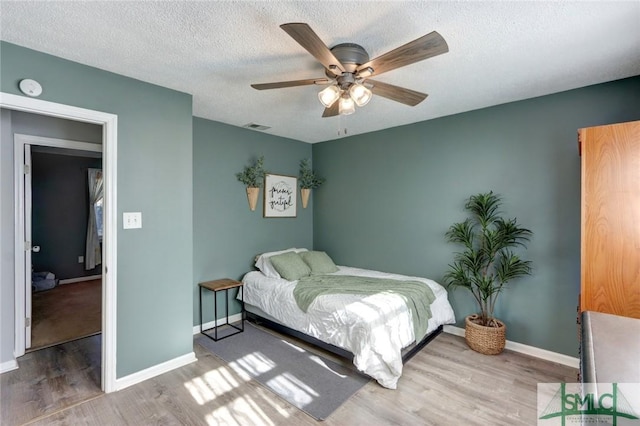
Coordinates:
column 610, row 223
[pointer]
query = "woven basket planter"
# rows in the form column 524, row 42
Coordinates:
column 486, row 340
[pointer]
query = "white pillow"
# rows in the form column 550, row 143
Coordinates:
column 264, row 265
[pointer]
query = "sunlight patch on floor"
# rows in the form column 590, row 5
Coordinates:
column 212, row 384
column 216, row 386
column 253, row 364
column 323, row 363
column 242, row 411
column 274, row 402
column 199, row 391
column 297, row 348
column 292, row 389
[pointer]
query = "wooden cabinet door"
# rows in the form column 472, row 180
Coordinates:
column 610, row 253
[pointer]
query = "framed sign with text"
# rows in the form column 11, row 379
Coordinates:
column 280, row 196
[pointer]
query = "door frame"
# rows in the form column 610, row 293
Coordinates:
column 23, row 202
column 109, row 123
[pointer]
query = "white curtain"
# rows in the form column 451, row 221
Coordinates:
column 93, row 255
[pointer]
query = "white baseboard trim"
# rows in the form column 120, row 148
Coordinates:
column 207, row 325
column 80, row 279
column 164, row 367
column 8, row 366
column 154, row 371
column 526, row 349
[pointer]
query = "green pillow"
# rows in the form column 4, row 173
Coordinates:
column 290, row 266
column 319, row 262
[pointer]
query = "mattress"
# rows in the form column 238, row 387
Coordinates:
column 373, row 328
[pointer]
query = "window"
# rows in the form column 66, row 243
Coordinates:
column 98, row 210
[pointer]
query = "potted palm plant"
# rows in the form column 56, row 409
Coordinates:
column 253, row 177
column 485, row 266
column 307, row 180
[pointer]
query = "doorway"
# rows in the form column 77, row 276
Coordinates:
column 109, row 268
column 66, row 190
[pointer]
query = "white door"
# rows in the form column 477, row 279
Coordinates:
column 28, row 246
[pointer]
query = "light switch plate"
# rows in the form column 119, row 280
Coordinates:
column 131, row 220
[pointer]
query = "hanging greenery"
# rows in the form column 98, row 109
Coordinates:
column 253, row 176
column 307, row 179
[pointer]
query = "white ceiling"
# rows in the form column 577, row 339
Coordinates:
column 498, row 52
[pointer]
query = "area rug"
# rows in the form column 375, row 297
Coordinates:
column 310, row 382
column 66, row 312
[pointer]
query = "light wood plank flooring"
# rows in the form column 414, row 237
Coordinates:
column 50, row 380
column 445, row 384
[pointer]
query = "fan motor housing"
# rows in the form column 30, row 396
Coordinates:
column 350, row 55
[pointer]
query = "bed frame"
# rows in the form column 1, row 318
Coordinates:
column 407, row 354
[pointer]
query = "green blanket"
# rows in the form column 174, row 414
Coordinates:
column 418, row 296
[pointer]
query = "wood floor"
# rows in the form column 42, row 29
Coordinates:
column 50, row 380
column 445, row 384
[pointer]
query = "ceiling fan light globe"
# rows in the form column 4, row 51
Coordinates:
column 360, row 94
column 329, row 95
column 347, row 106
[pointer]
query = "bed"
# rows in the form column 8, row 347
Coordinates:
column 373, row 329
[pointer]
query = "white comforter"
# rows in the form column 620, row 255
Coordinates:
column 374, row 328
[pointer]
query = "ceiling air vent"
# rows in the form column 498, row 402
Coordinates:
column 255, row 126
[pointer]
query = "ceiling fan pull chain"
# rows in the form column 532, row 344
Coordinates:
column 342, row 130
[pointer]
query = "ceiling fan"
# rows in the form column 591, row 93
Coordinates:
column 348, row 70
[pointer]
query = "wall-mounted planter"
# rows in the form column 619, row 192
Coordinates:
column 308, row 180
column 252, row 177
column 304, row 194
column 252, row 197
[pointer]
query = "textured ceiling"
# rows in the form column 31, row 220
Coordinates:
column 498, row 52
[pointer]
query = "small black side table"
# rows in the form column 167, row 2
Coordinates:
column 216, row 286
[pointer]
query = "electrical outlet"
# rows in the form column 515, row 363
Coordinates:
column 80, row 259
column 131, row 220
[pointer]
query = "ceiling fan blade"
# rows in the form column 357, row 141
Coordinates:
column 304, row 35
column 417, row 50
column 396, row 93
column 332, row 111
column 293, row 83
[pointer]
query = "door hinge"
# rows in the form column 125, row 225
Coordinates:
column 27, row 322
column 26, row 169
column 27, row 245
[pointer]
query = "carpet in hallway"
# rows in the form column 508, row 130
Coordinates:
column 66, row 312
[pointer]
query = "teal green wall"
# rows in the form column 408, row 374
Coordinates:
column 155, row 266
column 391, row 195
column 388, row 200
column 227, row 234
